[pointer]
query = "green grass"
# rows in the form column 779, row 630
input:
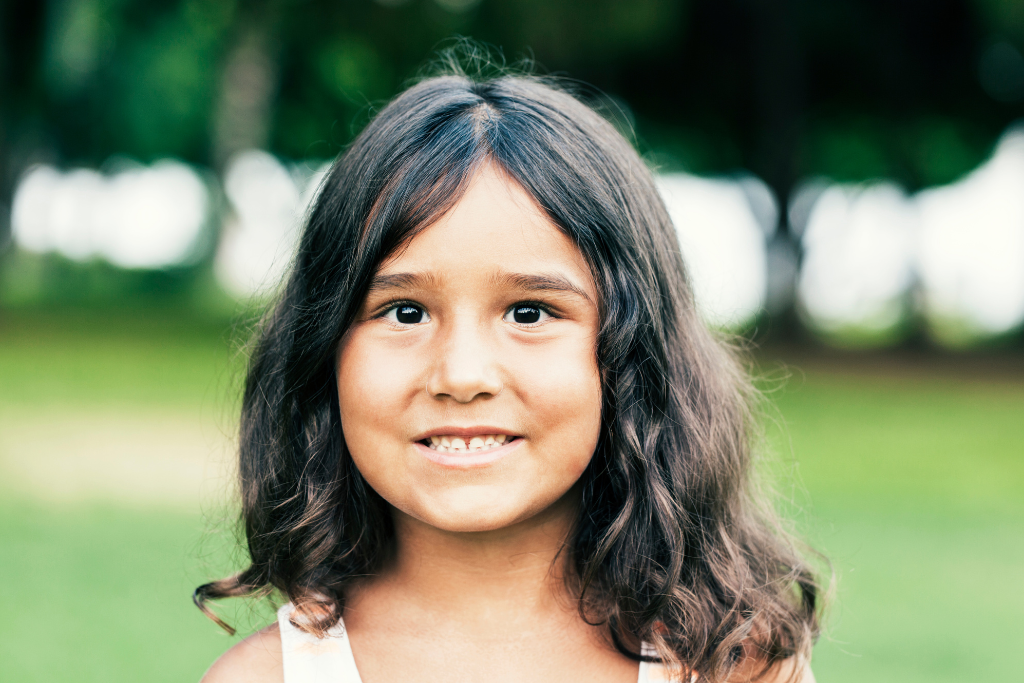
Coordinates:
column 912, row 485
column 914, row 488
column 94, row 593
column 908, row 443
column 132, row 358
column 923, row 597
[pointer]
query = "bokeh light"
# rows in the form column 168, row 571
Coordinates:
column 857, row 270
column 723, row 241
column 140, row 217
column 268, row 203
column 971, row 249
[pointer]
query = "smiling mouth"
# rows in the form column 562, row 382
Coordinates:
column 474, row 444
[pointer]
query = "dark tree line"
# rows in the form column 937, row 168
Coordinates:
column 914, row 90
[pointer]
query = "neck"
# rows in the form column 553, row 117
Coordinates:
column 517, row 571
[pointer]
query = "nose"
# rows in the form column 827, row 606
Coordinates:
column 465, row 366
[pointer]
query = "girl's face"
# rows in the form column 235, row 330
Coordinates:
column 469, row 388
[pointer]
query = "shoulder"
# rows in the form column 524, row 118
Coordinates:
column 257, row 659
column 793, row 670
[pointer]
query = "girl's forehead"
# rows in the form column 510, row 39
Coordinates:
column 495, row 226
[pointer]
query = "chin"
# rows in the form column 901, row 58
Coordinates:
column 470, row 524
column 474, row 511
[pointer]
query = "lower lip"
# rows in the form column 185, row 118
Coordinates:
column 467, row 459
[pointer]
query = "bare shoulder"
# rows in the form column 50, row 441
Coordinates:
column 793, row 670
column 257, row 659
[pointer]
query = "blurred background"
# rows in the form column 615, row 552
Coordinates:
column 847, row 178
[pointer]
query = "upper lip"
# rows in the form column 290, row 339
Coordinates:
column 465, row 432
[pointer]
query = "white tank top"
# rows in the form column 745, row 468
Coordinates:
column 308, row 659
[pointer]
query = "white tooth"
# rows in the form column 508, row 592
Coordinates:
column 489, row 440
column 434, row 440
column 441, row 449
column 458, row 444
column 476, row 443
column 500, row 438
column 445, row 442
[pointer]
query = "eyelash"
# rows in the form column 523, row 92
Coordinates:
column 392, row 305
column 531, row 304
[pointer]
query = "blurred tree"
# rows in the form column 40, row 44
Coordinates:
column 247, row 83
column 21, row 39
column 913, row 90
column 786, row 88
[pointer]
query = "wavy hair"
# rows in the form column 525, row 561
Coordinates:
column 672, row 545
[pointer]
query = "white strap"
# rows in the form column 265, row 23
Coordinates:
column 645, row 667
column 653, row 672
column 308, row 659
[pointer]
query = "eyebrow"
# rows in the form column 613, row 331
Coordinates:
column 547, row 282
column 550, row 282
column 401, row 281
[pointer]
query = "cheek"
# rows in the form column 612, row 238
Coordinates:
column 371, row 392
column 564, row 393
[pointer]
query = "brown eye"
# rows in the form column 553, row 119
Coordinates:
column 526, row 314
column 407, row 314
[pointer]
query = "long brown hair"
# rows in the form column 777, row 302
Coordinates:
column 672, row 544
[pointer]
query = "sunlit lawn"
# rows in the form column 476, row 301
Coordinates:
column 912, row 484
column 916, row 489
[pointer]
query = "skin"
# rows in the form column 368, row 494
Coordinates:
column 471, row 364
column 478, row 575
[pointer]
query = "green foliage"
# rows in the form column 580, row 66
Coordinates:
column 168, row 89
column 124, row 76
column 575, row 32
column 931, row 150
column 147, row 79
column 352, row 70
column 847, row 90
column 1002, row 17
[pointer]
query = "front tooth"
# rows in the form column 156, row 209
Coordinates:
column 476, row 443
column 445, row 442
column 441, row 449
column 500, row 438
column 489, row 440
column 458, row 444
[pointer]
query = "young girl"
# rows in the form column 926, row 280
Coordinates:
column 485, row 436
